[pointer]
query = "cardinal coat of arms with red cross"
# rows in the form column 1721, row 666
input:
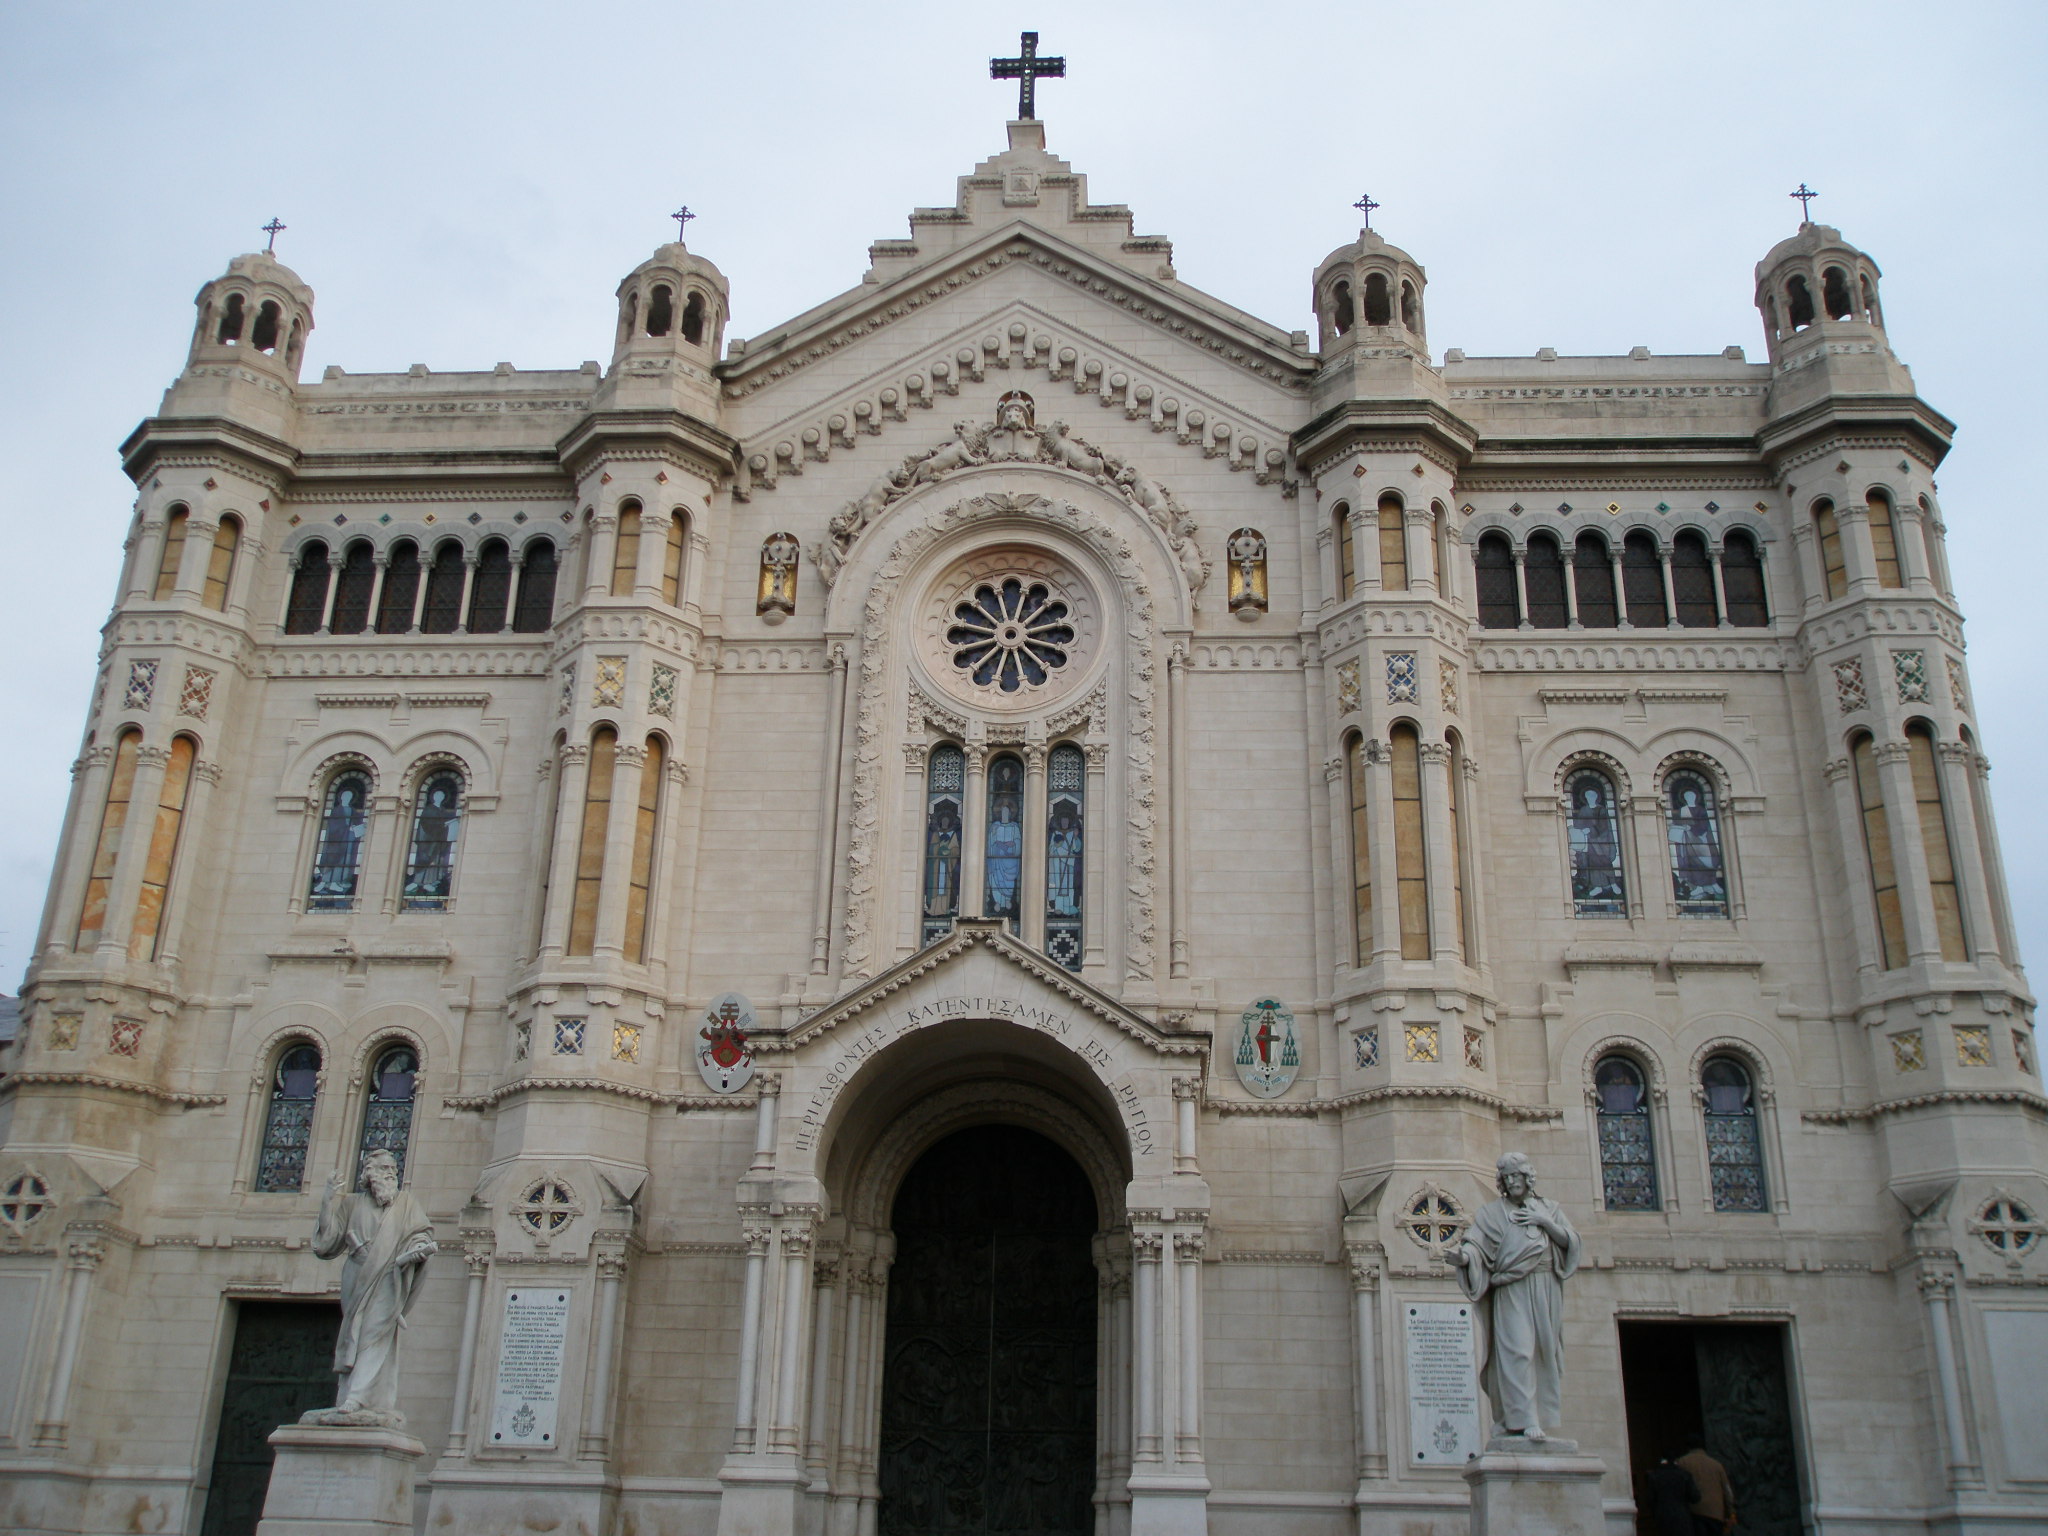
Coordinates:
column 1267, row 1055
column 725, row 1057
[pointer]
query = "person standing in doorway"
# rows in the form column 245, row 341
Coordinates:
column 1671, row 1495
column 1713, row 1513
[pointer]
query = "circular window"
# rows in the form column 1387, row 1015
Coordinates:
column 25, row 1198
column 2007, row 1226
column 1009, row 629
column 1433, row 1219
column 1010, row 636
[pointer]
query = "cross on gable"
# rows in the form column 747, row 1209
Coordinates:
column 1027, row 69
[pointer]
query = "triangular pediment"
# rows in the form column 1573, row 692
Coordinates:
column 1032, row 991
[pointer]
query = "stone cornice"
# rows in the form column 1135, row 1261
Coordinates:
column 1394, row 1092
column 1416, row 425
column 16, row 1080
column 656, row 1097
column 2019, row 1098
column 1852, row 416
column 241, row 449
column 688, row 442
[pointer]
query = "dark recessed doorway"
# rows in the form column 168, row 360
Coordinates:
column 988, row 1380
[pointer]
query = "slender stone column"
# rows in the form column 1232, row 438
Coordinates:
column 1840, row 773
column 1343, row 909
column 333, row 590
column 198, row 798
column 1902, row 807
column 137, row 832
column 871, row 1393
column 620, row 829
column 785, row 1423
column 1363, row 1259
column 845, row 1458
column 1031, row 889
column 1570, row 555
column 594, row 1444
column 479, row 1261
column 597, row 566
column 916, row 765
column 419, row 590
column 83, row 1256
column 1187, row 1429
column 1522, row 588
column 1365, row 548
column 746, row 1429
column 1720, row 589
column 380, row 568
column 568, row 833
column 1966, row 847
column 1419, row 540
column 1187, row 1093
column 89, row 777
column 1146, row 1248
column 1178, row 725
column 1438, row 794
column 1620, row 589
column 468, row 591
column 1095, row 850
column 974, row 831
column 828, row 818
column 1670, row 590
column 825, row 1280
column 770, row 1097
column 1938, row 1291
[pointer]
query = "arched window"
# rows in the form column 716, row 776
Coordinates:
column 145, row 939
column 443, row 608
column 1692, row 828
column 307, row 605
column 535, row 609
column 661, row 310
column 626, row 551
column 672, row 559
column 1493, row 569
column 945, row 782
column 1379, row 304
column 1798, row 303
column 1411, row 864
column 173, row 553
column 1935, row 841
column 1543, row 572
column 1004, row 849
column 1393, row 545
column 1642, row 581
column 492, row 588
column 430, row 851
column 1437, row 528
column 1593, row 834
column 288, row 1120
column 1827, row 529
column 1884, row 539
column 1409, row 313
column 1453, row 804
column 1834, row 292
column 1593, row 581
column 1877, row 849
column 1742, row 577
column 220, row 563
column 597, row 815
column 231, row 320
column 338, row 853
column 1361, row 851
column 263, row 335
column 1342, row 315
column 1065, row 826
column 401, row 589
column 1628, row 1154
column 92, row 918
column 640, row 879
column 1735, row 1144
column 352, row 592
column 693, row 319
column 387, row 1113
column 1692, row 582
column 1347, row 559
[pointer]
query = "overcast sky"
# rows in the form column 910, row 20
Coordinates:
column 466, row 183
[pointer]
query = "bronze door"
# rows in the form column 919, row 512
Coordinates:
column 281, row 1365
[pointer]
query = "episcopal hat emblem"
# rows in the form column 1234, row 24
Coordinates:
column 726, row 1058
column 1267, row 1056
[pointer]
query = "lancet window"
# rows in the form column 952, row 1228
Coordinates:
column 1593, row 582
column 338, row 849
column 1884, row 539
column 352, row 593
column 1453, row 805
column 1742, row 575
column 1393, row 546
column 1642, row 581
column 1692, row 823
column 145, row 939
column 307, row 606
column 1066, row 789
column 1827, row 529
column 535, row 609
column 401, row 589
column 1735, row 1147
column 1692, row 582
column 100, row 879
column 491, row 589
column 1361, row 851
column 1593, row 836
column 1543, row 572
column 640, row 879
column 443, row 608
column 945, row 784
column 173, row 552
column 1936, row 842
column 1493, row 567
column 1347, row 551
column 597, row 814
column 1003, row 852
column 1411, row 868
column 288, row 1119
column 672, row 559
column 1628, row 1154
column 220, row 563
column 626, row 547
column 1877, row 849
column 430, row 851
column 387, row 1112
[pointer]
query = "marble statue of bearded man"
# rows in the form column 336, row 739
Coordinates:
column 1513, row 1261
column 386, row 1238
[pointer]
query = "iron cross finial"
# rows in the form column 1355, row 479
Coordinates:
column 682, row 216
column 1027, row 69
column 1365, row 205
column 1806, row 195
column 273, row 229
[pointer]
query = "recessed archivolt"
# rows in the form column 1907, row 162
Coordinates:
column 1636, row 1050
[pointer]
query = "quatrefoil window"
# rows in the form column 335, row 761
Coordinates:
column 1010, row 635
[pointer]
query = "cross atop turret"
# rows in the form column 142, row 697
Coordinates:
column 1027, row 69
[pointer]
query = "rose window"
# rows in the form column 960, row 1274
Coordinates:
column 1010, row 635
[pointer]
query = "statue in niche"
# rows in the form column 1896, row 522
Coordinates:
column 777, row 593
column 1247, row 549
column 1015, row 434
column 1513, row 1261
column 386, row 1239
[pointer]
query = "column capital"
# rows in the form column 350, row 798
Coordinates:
column 1886, row 752
column 1363, row 1262
column 611, row 1265
column 1835, row 771
column 1188, row 1246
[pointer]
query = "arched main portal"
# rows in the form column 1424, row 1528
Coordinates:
column 988, row 1411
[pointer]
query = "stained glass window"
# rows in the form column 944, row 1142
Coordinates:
column 288, row 1123
column 535, row 609
column 1628, row 1162
column 1494, row 568
column 387, row 1117
column 146, row 937
column 626, row 551
column 1593, row 833
column 1593, row 580
column 443, row 608
column 1411, row 869
column 1877, row 848
column 1692, row 822
column 430, row 854
column 597, row 815
column 1934, row 839
column 1393, row 546
column 351, row 614
column 338, row 856
column 945, row 780
column 1884, row 539
column 672, row 559
column 1742, row 577
column 1066, row 785
column 173, row 552
column 1692, row 582
column 307, row 605
column 1454, row 786
column 1735, row 1151
column 646, row 822
column 92, row 919
column 1004, row 856
column 1347, row 558
column 1009, row 635
column 220, row 564
column 1642, row 581
column 1543, row 574
column 1361, row 852
column 401, row 589
column 1828, row 530
column 491, row 589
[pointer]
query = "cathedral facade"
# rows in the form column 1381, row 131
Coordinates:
column 948, row 908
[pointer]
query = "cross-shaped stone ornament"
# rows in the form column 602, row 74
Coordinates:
column 1027, row 69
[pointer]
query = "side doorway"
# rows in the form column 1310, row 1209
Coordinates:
column 1724, row 1386
column 280, row 1365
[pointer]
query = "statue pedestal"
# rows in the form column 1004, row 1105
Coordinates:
column 1553, row 1491
column 335, row 1480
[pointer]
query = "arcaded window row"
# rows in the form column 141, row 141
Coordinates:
column 295, row 1079
column 1602, row 585
column 1630, row 1178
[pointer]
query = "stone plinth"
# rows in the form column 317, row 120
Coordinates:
column 1552, row 1492
column 336, row 1480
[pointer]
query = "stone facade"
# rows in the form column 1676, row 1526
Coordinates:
column 1373, row 686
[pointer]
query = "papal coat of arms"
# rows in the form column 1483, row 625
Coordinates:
column 726, row 1058
column 1267, row 1055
